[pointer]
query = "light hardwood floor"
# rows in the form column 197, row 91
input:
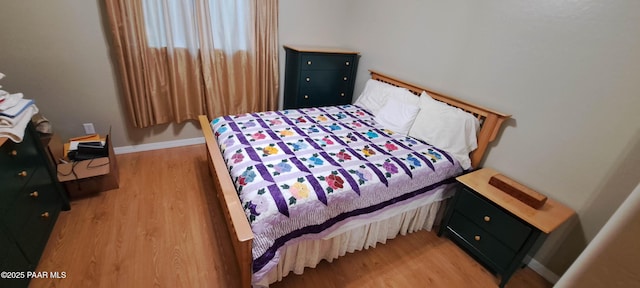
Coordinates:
column 162, row 228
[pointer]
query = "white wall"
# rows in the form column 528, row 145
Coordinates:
column 566, row 70
column 611, row 259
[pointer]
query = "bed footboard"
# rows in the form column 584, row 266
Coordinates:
column 237, row 223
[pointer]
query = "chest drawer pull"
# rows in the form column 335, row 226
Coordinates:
column 44, row 215
column 306, row 96
column 345, row 78
column 13, row 153
column 477, row 238
column 34, row 194
column 347, row 63
column 23, row 174
column 342, row 94
column 308, row 79
column 309, row 62
column 487, row 218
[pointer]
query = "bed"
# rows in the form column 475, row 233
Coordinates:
column 302, row 185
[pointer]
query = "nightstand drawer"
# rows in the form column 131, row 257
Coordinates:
column 479, row 239
column 513, row 233
column 326, row 62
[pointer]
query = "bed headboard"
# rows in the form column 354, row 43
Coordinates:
column 490, row 120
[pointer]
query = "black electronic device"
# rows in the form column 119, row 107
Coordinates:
column 90, row 150
column 91, row 144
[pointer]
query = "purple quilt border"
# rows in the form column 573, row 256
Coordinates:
column 261, row 261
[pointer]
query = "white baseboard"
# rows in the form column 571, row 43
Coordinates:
column 158, row 145
column 542, row 270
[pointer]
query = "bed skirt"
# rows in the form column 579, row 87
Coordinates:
column 309, row 253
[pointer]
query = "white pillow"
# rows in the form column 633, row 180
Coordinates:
column 404, row 95
column 373, row 96
column 446, row 127
column 397, row 116
column 376, row 93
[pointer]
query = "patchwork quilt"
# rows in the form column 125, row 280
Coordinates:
column 299, row 173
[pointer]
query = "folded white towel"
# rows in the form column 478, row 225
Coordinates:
column 16, row 132
column 27, row 112
column 10, row 101
column 17, row 108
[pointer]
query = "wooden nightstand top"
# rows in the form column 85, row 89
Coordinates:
column 547, row 218
column 318, row 49
column 2, row 140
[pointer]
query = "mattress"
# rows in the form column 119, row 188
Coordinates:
column 308, row 173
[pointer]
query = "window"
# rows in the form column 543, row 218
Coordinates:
column 173, row 23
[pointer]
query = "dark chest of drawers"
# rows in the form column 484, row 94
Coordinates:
column 30, row 200
column 316, row 77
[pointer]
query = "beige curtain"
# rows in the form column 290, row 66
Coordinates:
column 179, row 59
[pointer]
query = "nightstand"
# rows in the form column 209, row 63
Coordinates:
column 318, row 76
column 495, row 228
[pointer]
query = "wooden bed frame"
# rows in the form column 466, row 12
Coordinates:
column 237, row 222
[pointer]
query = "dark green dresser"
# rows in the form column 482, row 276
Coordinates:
column 495, row 228
column 316, row 77
column 30, row 200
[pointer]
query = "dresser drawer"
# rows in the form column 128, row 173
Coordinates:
column 324, row 88
column 13, row 180
column 38, row 196
column 23, row 153
column 513, row 233
column 14, row 261
column 17, row 163
column 490, row 247
column 312, row 61
column 31, row 219
column 35, row 234
column 325, row 79
column 311, row 98
column 5, row 242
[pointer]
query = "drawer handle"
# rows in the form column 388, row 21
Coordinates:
column 23, row 174
column 487, row 218
column 342, row 94
column 309, row 62
column 34, row 194
column 13, row 153
column 306, row 96
column 477, row 238
column 308, row 79
column 44, row 215
column 345, row 78
column 347, row 63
